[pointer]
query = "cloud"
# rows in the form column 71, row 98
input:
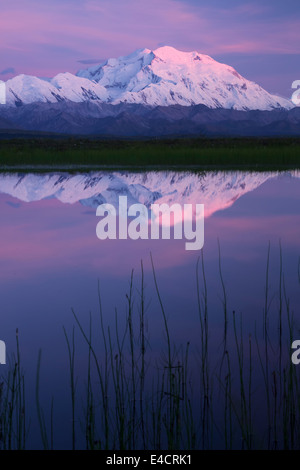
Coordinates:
column 15, row 205
column 49, row 37
column 7, row 71
column 91, row 61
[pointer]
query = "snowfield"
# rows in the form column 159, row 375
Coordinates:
column 161, row 77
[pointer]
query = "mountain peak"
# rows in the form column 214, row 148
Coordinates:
column 163, row 77
column 170, row 54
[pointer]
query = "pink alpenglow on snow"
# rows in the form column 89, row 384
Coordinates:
column 163, row 77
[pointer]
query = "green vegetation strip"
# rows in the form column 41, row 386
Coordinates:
column 185, row 153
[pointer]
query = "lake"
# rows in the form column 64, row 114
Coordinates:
column 177, row 365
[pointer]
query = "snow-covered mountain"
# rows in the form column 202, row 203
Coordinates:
column 25, row 89
column 216, row 190
column 161, row 77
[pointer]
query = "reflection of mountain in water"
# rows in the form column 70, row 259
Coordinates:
column 216, row 190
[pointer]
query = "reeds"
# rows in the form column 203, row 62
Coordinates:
column 242, row 395
column 13, row 425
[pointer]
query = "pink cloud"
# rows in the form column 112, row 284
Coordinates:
column 47, row 37
column 47, row 235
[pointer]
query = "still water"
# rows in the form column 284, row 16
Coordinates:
column 51, row 261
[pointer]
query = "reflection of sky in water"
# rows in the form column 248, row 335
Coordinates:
column 51, row 259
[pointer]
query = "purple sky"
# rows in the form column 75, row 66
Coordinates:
column 261, row 39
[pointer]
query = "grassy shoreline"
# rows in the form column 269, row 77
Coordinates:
column 182, row 154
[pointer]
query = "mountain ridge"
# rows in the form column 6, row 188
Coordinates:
column 139, row 121
column 216, row 190
column 162, row 77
